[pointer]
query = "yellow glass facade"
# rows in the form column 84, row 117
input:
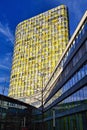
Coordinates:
column 39, row 43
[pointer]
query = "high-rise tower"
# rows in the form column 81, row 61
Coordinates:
column 39, row 43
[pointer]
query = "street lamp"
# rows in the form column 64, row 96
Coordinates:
column 4, row 87
column 42, row 76
column 53, row 119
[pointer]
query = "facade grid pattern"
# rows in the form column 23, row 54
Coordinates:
column 40, row 42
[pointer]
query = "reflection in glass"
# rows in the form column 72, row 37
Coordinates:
column 83, row 72
column 78, row 96
column 79, row 75
column 85, row 69
column 76, row 77
column 85, row 92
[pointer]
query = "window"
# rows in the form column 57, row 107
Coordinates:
column 85, row 92
column 85, row 69
column 86, row 44
column 74, row 78
column 83, row 72
column 79, row 75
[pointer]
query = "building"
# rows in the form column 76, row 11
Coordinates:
column 62, row 111
column 65, row 107
column 15, row 115
column 39, row 44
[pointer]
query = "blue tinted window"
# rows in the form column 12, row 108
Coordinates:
column 85, row 69
column 83, row 72
column 83, row 31
column 79, row 75
column 85, row 92
column 68, row 85
column 78, row 95
column 85, row 27
column 80, row 35
column 63, row 88
column 74, row 97
column 76, row 78
column 81, row 94
column 71, row 82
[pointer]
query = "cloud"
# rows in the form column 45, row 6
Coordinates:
column 4, row 67
column 5, row 30
column 4, row 89
column 5, row 61
column 4, row 79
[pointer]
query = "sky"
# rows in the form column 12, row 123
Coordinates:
column 13, row 12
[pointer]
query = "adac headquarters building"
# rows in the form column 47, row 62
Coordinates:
column 64, row 104
column 39, row 44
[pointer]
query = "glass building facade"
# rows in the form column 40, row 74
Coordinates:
column 65, row 106
column 39, row 43
column 15, row 115
column 68, row 110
